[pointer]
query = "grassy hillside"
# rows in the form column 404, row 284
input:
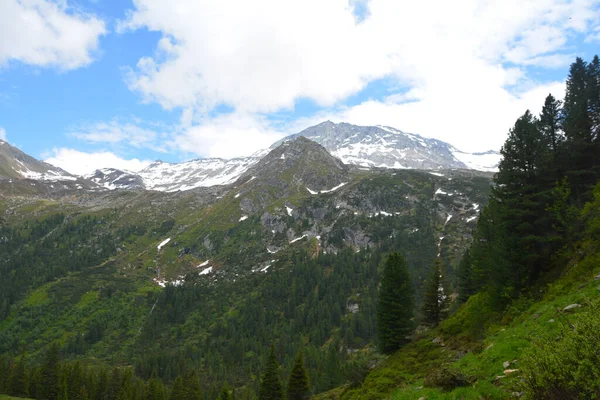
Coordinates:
column 543, row 345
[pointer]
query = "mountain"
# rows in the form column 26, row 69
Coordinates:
column 172, row 177
column 385, row 147
column 112, row 178
column 207, row 278
column 192, row 174
column 16, row 164
column 364, row 146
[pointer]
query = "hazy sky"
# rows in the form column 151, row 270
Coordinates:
column 87, row 84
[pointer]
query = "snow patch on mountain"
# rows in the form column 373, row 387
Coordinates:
column 160, row 246
column 487, row 161
column 195, row 173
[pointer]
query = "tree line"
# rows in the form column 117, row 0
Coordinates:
column 550, row 165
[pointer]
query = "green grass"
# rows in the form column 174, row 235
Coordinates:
column 6, row 397
column 402, row 375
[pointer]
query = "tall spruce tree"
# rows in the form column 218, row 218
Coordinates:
column 298, row 387
column 582, row 163
column 435, row 300
column 18, row 382
column 550, row 124
column 593, row 90
column 395, row 308
column 466, row 284
column 270, row 385
column 523, row 219
column 49, row 379
column 177, row 391
column 192, row 388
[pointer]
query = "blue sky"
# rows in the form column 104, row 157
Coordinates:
column 87, row 84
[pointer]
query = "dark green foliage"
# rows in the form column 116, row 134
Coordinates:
column 49, row 374
column 270, row 384
column 225, row 393
column 466, row 278
column 395, row 308
column 435, row 300
column 298, row 387
column 178, row 390
column 18, row 380
column 565, row 365
column 543, row 178
column 156, row 391
column 191, row 384
column 581, row 129
column 550, row 124
column 445, row 378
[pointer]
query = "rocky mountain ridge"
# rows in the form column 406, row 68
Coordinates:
column 361, row 146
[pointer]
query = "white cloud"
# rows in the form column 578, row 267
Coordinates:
column 135, row 133
column 472, row 126
column 47, row 33
column 227, row 136
column 594, row 36
column 2, row 133
column 459, row 64
column 551, row 61
column 81, row 163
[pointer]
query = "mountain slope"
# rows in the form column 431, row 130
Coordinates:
column 16, row 164
column 385, row 147
column 171, row 280
column 364, row 146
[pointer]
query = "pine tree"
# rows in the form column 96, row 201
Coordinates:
column 18, row 382
column 177, row 392
column 520, row 199
column 155, row 390
column 466, row 279
column 582, row 146
column 435, row 300
column 50, row 376
column 550, row 124
column 298, row 387
column 225, row 394
column 192, row 388
column 395, row 308
column 270, row 385
column 593, row 94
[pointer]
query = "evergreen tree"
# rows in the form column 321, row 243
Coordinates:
column 156, row 390
column 225, row 394
column 466, row 283
column 49, row 378
column 520, row 199
column 270, row 385
column 435, row 300
column 550, row 124
column 582, row 146
column 192, row 388
column 298, row 387
column 593, row 90
column 18, row 382
column 178, row 391
column 395, row 308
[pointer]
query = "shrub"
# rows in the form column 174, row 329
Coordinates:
column 566, row 365
column 446, row 378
